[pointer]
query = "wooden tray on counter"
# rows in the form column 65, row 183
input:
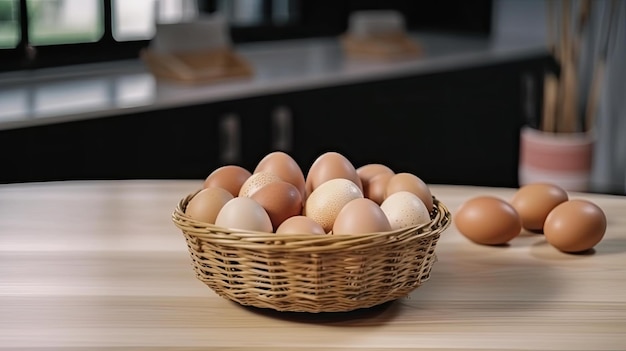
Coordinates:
column 382, row 47
column 198, row 66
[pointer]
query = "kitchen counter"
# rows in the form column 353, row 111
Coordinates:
column 47, row 96
column 99, row 265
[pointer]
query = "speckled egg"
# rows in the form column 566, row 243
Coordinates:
column 404, row 209
column 328, row 199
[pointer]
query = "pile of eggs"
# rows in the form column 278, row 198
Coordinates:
column 333, row 198
column 570, row 225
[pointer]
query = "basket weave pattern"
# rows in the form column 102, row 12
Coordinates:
column 311, row 273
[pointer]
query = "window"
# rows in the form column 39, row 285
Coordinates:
column 45, row 33
column 52, row 22
column 135, row 20
column 257, row 20
column 9, row 24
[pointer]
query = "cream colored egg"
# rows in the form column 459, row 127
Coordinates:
column 405, row 209
column 256, row 181
column 245, row 214
column 328, row 199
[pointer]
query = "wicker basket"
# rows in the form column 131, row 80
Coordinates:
column 308, row 272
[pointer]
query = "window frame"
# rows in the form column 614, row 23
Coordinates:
column 25, row 56
column 315, row 19
column 323, row 19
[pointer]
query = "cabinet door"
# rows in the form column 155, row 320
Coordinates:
column 456, row 127
column 244, row 131
column 173, row 143
column 185, row 143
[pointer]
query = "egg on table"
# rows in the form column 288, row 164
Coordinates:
column 533, row 202
column 575, row 226
column 487, row 220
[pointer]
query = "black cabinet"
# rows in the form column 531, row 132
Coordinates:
column 153, row 144
column 455, row 127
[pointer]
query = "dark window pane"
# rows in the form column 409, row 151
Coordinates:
column 242, row 13
column 284, row 11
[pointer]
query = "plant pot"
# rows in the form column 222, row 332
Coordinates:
column 563, row 159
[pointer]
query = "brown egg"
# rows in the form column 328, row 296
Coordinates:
column 370, row 171
column 413, row 184
column 284, row 166
column 327, row 166
column 376, row 187
column 280, row 200
column 533, row 202
column 361, row 216
column 575, row 226
column 207, row 203
column 230, row 178
column 488, row 220
column 256, row 181
column 300, row 225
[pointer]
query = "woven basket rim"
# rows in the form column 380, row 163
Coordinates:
column 439, row 222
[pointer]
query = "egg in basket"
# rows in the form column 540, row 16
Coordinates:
column 341, row 239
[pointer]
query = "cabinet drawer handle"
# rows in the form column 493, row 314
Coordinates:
column 230, row 139
column 282, row 129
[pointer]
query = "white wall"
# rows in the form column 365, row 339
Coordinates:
column 519, row 20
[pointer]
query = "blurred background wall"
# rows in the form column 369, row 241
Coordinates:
column 500, row 23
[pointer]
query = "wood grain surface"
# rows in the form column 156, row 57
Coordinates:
column 99, row 265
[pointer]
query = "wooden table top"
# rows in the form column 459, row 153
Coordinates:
column 99, row 265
